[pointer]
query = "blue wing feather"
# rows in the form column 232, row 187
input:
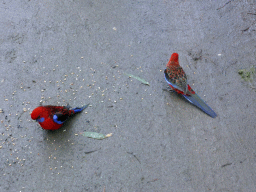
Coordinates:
column 59, row 118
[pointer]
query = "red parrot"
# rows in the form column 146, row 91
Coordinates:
column 177, row 80
column 52, row 117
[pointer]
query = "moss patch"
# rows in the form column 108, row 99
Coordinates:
column 247, row 74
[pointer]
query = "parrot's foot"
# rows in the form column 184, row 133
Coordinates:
column 168, row 90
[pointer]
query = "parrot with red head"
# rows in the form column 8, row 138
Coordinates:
column 52, row 117
column 177, row 80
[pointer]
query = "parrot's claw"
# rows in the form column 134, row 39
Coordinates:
column 169, row 90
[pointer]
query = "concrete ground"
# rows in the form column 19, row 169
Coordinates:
column 76, row 52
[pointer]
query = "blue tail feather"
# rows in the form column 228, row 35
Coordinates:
column 197, row 101
column 77, row 109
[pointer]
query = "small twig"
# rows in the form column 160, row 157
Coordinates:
column 248, row 27
column 243, row 160
column 251, row 13
column 224, row 5
column 152, row 180
column 210, row 60
column 88, row 152
column 131, row 153
column 21, row 114
column 226, row 164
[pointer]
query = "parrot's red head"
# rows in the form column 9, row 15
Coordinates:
column 174, row 60
column 37, row 114
column 175, row 57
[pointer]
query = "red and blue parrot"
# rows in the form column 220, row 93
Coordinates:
column 177, row 80
column 52, row 117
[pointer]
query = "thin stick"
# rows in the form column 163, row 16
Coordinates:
column 224, row 5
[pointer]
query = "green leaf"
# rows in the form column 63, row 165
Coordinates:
column 138, row 78
column 95, row 135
